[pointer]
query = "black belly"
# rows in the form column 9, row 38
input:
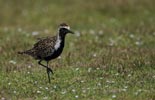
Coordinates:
column 55, row 54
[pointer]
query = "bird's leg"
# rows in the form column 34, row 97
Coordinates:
column 48, row 69
column 48, row 72
column 41, row 64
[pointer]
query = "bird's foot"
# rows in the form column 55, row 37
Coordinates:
column 49, row 70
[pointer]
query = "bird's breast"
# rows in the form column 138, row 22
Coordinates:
column 57, row 44
column 58, row 48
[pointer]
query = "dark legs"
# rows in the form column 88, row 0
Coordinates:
column 48, row 69
column 48, row 72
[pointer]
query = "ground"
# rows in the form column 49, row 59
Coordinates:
column 111, row 56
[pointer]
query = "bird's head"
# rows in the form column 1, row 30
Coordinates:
column 64, row 29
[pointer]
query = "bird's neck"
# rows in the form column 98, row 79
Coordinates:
column 59, row 42
column 61, row 37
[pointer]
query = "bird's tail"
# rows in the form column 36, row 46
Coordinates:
column 28, row 52
column 21, row 52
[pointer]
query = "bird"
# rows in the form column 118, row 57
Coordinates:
column 49, row 48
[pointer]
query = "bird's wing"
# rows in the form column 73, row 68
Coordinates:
column 41, row 38
column 45, row 47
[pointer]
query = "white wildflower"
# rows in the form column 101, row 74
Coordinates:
column 84, row 91
column 138, row 43
column 35, row 82
column 51, row 91
column 73, row 90
column 28, row 72
column 55, row 86
column 136, row 93
column 63, row 92
column 19, row 29
column 106, row 86
column 38, row 92
column 88, row 88
column 29, row 66
column 112, row 42
column 129, row 75
column 140, row 90
column 35, row 33
column 124, row 90
column 94, row 55
column 82, row 81
column 46, row 88
column 15, row 71
column 113, row 96
column 77, row 33
column 3, row 98
column 132, row 36
column 12, row 62
column 45, row 98
column 76, row 69
column 112, row 81
column 59, row 57
column 9, row 83
column 107, row 81
column 99, row 84
column 100, row 32
column 117, row 74
column 97, row 68
column 6, row 29
column 14, row 92
column 89, row 69
column 91, row 31
column 76, row 96
column 125, row 87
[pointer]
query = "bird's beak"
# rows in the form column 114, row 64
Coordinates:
column 69, row 31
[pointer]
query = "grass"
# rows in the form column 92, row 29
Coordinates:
column 111, row 56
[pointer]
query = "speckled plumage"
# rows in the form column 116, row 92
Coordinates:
column 49, row 48
column 43, row 48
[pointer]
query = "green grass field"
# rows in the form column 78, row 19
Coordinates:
column 111, row 56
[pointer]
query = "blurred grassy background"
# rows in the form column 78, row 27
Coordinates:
column 111, row 56
column 88, row 13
